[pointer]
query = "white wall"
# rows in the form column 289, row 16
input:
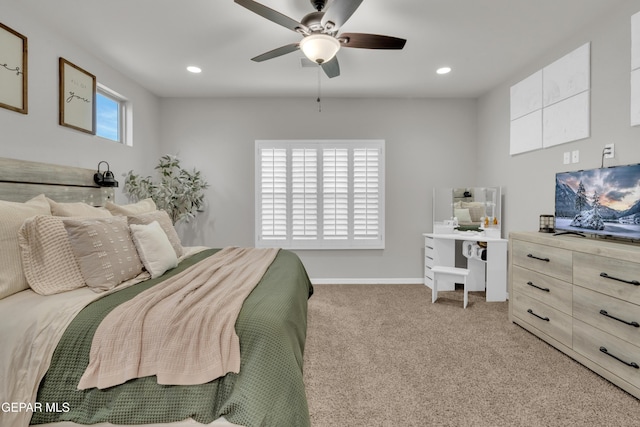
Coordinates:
column 528, row 179
column 429, row 143
column 37, row 136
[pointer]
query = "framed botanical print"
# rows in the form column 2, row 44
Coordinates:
column 77, row 98
column 13, row 70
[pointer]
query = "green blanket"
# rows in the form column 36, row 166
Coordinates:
column 268, row 390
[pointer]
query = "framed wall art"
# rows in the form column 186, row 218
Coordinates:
column 13, row 70
column 77, row 98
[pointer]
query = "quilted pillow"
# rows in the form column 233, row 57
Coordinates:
column 154, row 248
column 77, row 209
column 143, row 206
column 48, row 261
column 104, row 250
column 165, row 222
column 12, row 215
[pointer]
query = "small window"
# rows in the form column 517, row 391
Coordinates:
column 112, row 111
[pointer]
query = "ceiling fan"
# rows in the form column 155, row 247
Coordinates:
column 319, row 29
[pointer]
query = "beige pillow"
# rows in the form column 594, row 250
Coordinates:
column 462, row 215
column 154, row 248
column 12, row 215
column 48, row 261
column 104, row 250
column 143, row 206
column 77, row 209
column 165, row 222
column 476, row 210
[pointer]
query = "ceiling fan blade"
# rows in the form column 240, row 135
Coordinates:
column 282, row 50
column 370, row 41
column 338, row 13
column 331, row 68
column 273, row 16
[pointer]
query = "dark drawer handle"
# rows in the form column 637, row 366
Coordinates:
column 535, row 257
column 634, row 324
column 538, row 287
column 630, row 364
column 546, row 319
column 631, row 282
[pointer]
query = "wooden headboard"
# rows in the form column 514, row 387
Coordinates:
column 21, row 180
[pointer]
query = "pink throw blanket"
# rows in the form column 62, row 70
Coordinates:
column 181, row 330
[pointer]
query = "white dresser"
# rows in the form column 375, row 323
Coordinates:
column 582, row 296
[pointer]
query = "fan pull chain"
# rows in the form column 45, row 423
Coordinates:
column 319, row 89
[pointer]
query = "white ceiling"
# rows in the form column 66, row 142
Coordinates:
column 152, row 41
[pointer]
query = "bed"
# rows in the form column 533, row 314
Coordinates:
column 47, row 339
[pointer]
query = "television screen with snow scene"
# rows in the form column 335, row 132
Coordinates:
column 603, row 201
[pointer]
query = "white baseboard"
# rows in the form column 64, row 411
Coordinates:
column 369, row 281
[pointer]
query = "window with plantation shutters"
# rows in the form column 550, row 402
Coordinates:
column 320, row 194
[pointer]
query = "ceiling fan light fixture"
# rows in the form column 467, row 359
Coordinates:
column 319, row 48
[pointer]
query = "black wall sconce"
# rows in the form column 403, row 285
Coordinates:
column 105, row 179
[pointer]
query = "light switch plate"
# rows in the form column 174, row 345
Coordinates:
column 575, row 156
column 567, row 158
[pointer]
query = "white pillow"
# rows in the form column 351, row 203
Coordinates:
column 77, row 209
column 462, row 215
column 165, row 222
column 143, row 206
column 154, row 248
column 12, row 215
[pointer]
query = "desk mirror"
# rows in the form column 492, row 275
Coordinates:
column 470, row 205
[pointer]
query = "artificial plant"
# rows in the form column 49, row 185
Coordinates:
column 179, row 192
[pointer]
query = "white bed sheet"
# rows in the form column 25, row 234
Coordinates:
column 30, row 327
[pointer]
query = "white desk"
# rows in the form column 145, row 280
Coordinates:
column 440, row 249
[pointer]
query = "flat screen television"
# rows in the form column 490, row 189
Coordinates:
column 604, row 201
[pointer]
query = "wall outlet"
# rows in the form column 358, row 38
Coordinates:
column 575, row 156
column 567, row 158
column 609, row 151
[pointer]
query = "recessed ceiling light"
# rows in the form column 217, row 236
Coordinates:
column 194, row 69
column 443, row 70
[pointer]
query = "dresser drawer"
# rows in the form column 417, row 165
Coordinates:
column 621, row 358
column 428, row 252
column 551, row 291
column 620, row 279
column 547, row 319
column 555, row 262
column 428, row 275
column 611, row 315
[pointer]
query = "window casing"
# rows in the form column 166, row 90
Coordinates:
column 320, row 194
column 113, row 116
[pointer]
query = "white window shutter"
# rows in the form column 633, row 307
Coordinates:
column 304, row 193
column 320, row 194
column 366, row 193
column 273, row 183
column 335, row 195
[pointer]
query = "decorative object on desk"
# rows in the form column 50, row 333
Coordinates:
column 547, row 224
column 77, row 97
column 13, row 70
column 180, row 192
column 105, row 179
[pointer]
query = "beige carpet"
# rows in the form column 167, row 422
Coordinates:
column 385, row 356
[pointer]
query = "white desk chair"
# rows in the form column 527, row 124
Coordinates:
column 450, row 273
